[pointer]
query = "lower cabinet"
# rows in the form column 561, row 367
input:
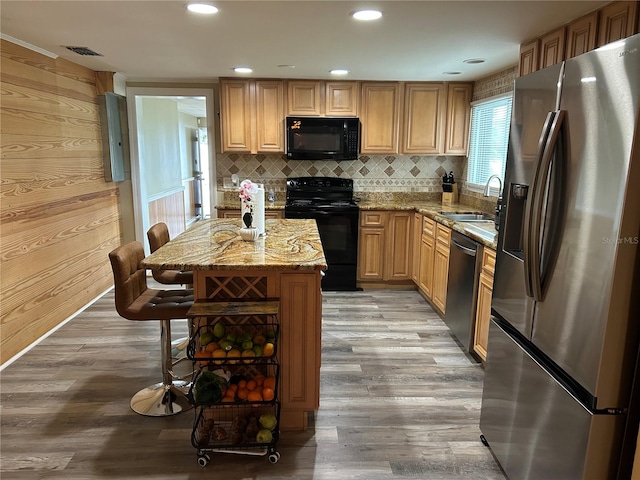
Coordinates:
column 384, row 245
column 441, row 267
column 483, row 310
column 235, row 213
column 416, row 228
column 427, row 249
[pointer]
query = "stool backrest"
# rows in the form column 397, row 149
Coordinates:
column 129, row 278
column 158, row 235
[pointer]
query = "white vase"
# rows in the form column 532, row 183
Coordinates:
column 249, row 234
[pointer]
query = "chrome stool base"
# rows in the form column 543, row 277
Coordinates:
column 161, row 400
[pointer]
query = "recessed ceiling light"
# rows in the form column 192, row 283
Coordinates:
column 242, row 70
column 286, row 66
column 473, row 61
column 338, row 71
column 367, row 14
column 451, row 73
column 205, row 8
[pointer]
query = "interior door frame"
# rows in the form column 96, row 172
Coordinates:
column 140, row 207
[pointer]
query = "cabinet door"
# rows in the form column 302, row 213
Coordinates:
column 552, row 47
column 300, row 332
column 235, row 112
column 427, row 250
column 398, row 246
column 415, row 248
column 581, row 35
column 341, row 99
column 380, row 112
column 529, row 54
column 229, row 213
column 618, row 20
column 458, row 117
column 441, row 267
column 371, row 253
column 303, row 97
column 483, row 310
column 423, row 120
column 269, row 116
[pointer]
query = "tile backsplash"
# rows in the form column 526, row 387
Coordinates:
column 381, row 173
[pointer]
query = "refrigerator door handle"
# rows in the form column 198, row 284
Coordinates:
column 527, row 244
column 537, row 205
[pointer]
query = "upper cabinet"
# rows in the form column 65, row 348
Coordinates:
column 617, row 20
column 552, row 48
column 423, row 123
column 252, row 115
column 379, row 114
column 614, row 21
column 458, row 117
column 322, row 98
column 581, row 35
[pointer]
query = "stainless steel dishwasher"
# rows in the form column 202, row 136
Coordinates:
column 461, row 288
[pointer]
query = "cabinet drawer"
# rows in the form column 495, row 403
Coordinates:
column 488, row 261
column 428, row 226
column 443, row 235
column 372, row 219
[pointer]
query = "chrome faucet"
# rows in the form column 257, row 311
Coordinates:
column 487, row 188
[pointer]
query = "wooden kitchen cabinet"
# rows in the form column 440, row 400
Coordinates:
column 441, row 267
column 379, row 115
column 233, row 213
column 384, row 245
column 423, row 123
column 483, row 310
column 427, row 250
column 458, row 118
column 617, row 20
column 252, row 115
column 581, row 35
column 416, row 228
column 552, row 48
column 322, row 98
column 529, row 57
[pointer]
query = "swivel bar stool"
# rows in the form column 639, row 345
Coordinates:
column 134, row 301
column 158, row 235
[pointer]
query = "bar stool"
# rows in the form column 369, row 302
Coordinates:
column 134, row 301
column 158, row 235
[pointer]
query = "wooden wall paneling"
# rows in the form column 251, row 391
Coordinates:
column 581, row 35
column 170, row 210
column 58, row 217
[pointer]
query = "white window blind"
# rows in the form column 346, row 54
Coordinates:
column 489, row 139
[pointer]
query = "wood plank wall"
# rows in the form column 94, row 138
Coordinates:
column 58, row 217
column 170, row 210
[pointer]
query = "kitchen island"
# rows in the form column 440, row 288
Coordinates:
column 284, row 265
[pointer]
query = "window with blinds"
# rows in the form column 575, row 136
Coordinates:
column 490, row 120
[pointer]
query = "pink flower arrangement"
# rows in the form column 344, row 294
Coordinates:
column 246, row 192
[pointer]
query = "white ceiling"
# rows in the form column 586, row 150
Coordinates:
column 160, row 41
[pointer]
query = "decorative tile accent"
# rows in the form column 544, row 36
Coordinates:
column 496, row 84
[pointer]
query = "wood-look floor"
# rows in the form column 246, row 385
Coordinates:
column 399, row 400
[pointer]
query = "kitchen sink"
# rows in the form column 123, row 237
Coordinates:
column 468, row 217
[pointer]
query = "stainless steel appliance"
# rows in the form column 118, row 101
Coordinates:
column 329, row 201
column 322, row 138
column 565, row 313
column 460, row 312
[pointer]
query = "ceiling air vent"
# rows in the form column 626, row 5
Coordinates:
column 83, row 51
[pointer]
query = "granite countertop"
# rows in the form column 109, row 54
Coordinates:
column 484, row 232
column 216, row 245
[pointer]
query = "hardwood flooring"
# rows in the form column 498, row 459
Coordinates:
column 399, row 400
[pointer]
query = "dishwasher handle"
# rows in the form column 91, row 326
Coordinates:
column 466, row 250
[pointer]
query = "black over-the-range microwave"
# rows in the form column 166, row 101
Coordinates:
column 322, row 138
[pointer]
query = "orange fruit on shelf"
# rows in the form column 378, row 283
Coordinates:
column 242, row 384
column 270, row 382
column 201, row 354
column 233, row 353
column 259, row 379
column 212, row 347
column 219, row 354
column 254, row 397
column 232, row 388
column 243, row 393
column 251, row 385
column 228, row 399
column 268, row 393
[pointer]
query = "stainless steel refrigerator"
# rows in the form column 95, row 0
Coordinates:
column 563, row 338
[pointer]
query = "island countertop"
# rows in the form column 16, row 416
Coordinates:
column 215, row 244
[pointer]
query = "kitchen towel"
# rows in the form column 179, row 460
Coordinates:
column 258, row 210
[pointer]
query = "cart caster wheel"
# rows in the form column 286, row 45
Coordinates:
column 484, row 441
column 203, row 460
column 274, row 457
